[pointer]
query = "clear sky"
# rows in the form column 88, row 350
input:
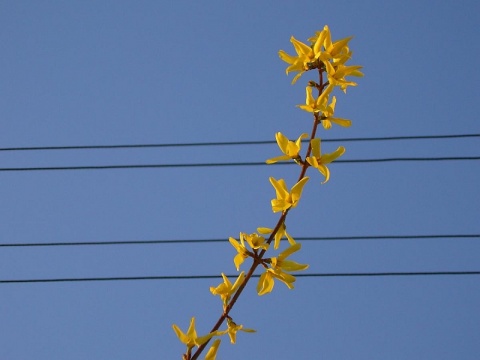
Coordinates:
column 153, row 72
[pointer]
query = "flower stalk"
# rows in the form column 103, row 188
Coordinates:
column 329, row 59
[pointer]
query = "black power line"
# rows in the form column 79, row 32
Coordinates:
column 157, row 166
column 229, row 143
column 204, row 241
column 199, row 277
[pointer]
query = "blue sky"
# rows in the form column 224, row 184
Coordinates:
column 143, row 72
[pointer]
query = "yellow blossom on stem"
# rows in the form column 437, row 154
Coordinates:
column 190, row 338
column 267, row 280
column 289, row 148
column 282, row 231
column 316, row 105
column 300, row 62
column 316, row 55
column 243, row 253
column 280, row 262
column 329, row 59
column 234, row 328
column 296, row 64
column 328, row 117
column 278, row 270
column 319, row 161
column 286, row 199
column 266, row 283
column 226, row 289
column 336, row 75
column 334, row 51
column 212, row 352
column 254, row 240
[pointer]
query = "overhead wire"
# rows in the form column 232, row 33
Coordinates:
column 199, row 277
column 139, row 242
column 230, row 143
column 189, row 165
column 205, row 241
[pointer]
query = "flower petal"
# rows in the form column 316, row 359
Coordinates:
column 265, row 284
column 238, row 282
column 278, row 158
column 289, row 251
column 289, row 265
column 180, row 334
column 297, row 190
column 280, row 187
column 315, row 147
column 341, row 122
column 238, row 260
column 282, row 141
column 212, row 352
column 328, row 158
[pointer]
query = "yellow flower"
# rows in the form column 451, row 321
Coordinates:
column 328, row 116
column 297, row 63
column 319, row 104
column 242, row 251
column 255, row 241
column 227, row 289
column 280, row 262
column 286, row 199
column 319, row 161
column 279, row 266
column 289, row 148
column 336, row 75
column 266, row 283
column 212, row 352
column 234, row 328
column 190, row 338
column 282, row 231
column 336, row 51
column 321, row 53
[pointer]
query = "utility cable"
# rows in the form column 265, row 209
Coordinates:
column 153, row 166
column 198, row 277
column 224, row 240
column 230, row 143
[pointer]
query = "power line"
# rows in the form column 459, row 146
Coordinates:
column 230, row 143
column 157, row 166
column 224, row 240
column 199, row 277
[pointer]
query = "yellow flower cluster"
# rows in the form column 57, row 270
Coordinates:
column 226, row 289
column 329, row 59
column 190, row 339
column 277, row 270
column 322, row 53
column 290, row 149
column 276, row 266
column 278, row 235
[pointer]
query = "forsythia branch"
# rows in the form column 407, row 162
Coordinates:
column 329, row 59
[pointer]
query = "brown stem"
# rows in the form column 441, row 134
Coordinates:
column 257, row 259
column 226, row 311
